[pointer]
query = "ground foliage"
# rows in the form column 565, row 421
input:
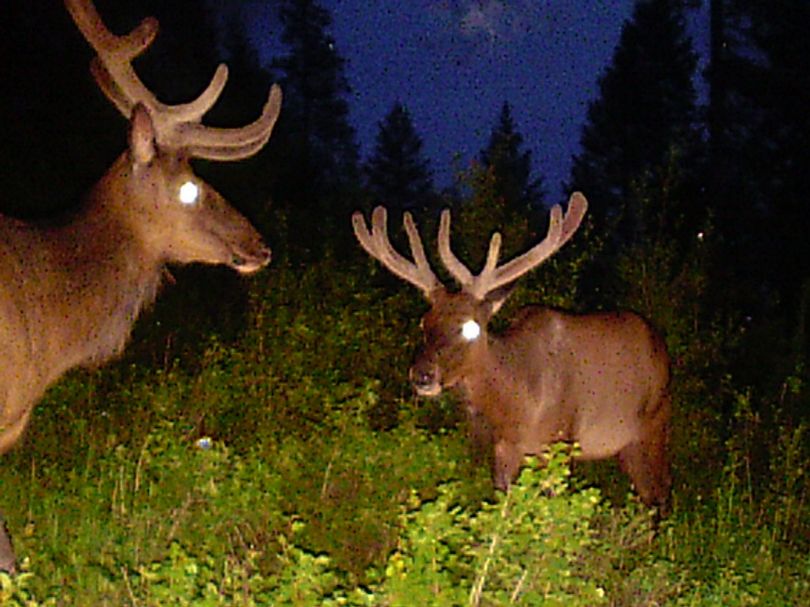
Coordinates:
column 259, row 444
column 291, row 466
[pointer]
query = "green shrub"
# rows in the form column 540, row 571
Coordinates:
column 526, row 548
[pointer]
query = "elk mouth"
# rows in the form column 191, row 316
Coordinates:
column 428, row 391
column 248, row 263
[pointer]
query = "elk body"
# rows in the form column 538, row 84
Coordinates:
column 70, row 292
column 598, row 379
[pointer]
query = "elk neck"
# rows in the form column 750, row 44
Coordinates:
column 490, row 372
column 88, row 279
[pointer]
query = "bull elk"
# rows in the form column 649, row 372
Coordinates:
column 70, row 292
column 598, row 379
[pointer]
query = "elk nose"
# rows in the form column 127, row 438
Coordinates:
column 421, row 377
column 265, row 255
column 425, row 380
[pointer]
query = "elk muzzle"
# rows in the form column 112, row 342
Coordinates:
column 220, row 234
column 247, row 260
column 425, row 377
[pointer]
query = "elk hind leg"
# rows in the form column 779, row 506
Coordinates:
column 8, row 561
column 646, row 461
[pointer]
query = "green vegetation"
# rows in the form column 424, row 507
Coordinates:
column 291, row 466
column 260, row 445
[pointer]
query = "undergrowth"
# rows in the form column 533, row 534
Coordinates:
column 292, row 467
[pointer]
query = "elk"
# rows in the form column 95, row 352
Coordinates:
column 600, row 380
column 71, row 291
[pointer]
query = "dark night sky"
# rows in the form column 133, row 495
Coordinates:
column 454, row 62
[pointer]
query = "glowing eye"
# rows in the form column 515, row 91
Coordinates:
column 189, row 192
column 470, row 330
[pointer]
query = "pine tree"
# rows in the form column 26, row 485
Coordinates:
column 511, row 166
column 397, row 173
column 316, row 113
column 764, row 137
column 313, row 148
column 646, row 111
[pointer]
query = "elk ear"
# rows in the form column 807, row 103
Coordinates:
column 496, row 298
column 142, row 135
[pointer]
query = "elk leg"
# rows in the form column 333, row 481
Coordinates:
column 8, row 562
column 14, row 416
column 646, row 461
column 480, row 434
column 506, row 466
column 10, row 433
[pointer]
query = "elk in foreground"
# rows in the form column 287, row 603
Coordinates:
column 70, row 292
column 600, row 380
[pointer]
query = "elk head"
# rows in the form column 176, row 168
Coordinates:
column 455, row 329
column 175, row 214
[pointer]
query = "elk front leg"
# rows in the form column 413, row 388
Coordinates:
column 16, row 403
column 11, row 431
column 8, row 561
column 480, row 435
column 506, row 464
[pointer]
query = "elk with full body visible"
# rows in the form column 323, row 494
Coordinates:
column 600, row 380
column 70, row 292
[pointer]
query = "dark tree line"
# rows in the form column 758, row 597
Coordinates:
column 658, row 168
column 652, row 159
column 760, row 135
column 646, row 112
column 398, row 174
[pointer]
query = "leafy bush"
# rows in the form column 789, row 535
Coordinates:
column 527, row 547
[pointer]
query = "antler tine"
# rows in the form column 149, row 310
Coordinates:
column 234, row 144
column 560, row 230
column 176, row 126
column 577, row 206
column 112, row 67
column 378, row 246
column 515, row 268
column 492, row 254
column 193, row 111
column 417, row 250
column 103, row 41
column 453, row 264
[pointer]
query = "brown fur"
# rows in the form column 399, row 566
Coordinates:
column 599, row 379
column 70, row 293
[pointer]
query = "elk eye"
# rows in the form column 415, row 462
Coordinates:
column 189, row 192
column 470, row 330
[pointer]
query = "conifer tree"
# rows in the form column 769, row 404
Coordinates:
column 645, row 114
column 314, row 150
column 761, row 133
column 316, row 113
column 397, row 173
column 511, row 166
